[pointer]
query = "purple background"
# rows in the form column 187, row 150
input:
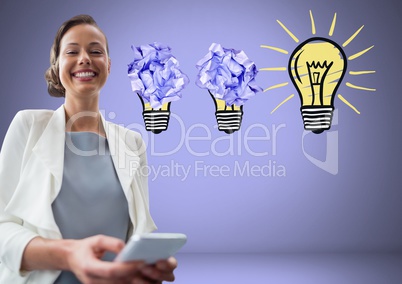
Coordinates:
column 357, row 210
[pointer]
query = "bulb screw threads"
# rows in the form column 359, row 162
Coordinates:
column 317, row 118
column 229, row 121
column 156, row 121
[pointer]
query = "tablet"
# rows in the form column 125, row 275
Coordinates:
column 151, row 247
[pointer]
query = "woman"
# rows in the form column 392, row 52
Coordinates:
column 71, row 189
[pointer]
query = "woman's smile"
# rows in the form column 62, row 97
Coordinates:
column 84, row 75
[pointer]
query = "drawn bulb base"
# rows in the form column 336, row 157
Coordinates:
column 317, row 118
column 156, row 121
column 228, row 117
column 229, row 121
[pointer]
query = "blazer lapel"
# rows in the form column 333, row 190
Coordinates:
column 125, row 160
column 50, row 147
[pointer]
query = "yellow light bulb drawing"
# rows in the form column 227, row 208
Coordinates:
column 316, row 68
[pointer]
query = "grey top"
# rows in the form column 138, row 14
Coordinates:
column 91, row 200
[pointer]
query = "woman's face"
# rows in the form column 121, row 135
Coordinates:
column 84, row 64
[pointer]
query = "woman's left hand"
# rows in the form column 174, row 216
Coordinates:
column 160, row 271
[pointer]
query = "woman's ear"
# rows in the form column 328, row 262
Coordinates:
column 109, row 64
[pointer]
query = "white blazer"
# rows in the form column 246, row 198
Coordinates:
column 31, row 171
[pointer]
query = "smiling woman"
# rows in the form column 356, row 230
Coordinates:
column 84, row 64
column 55, row 87
column 64, row 215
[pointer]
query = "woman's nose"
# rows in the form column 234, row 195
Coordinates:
column 84, row 59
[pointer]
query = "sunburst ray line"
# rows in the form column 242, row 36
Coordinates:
column 277, row 86
column 273, row 69
column 354, row 56
column 288, row 31
column 352, row 37
column 348, row 103
column 331, row 30
column 275, row 48
column 313, row 30
column 360, row 87
column 361, row 72
column 284, row 101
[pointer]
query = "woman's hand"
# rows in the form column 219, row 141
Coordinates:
column 83, row 258
column 84, row 261
column 161, row 271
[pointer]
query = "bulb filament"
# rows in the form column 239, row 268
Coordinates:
column 317, row 73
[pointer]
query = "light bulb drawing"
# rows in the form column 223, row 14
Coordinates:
column 156, row 78
column 229, row 76
column 317, row 67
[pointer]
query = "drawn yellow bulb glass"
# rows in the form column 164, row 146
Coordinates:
column 316, row 68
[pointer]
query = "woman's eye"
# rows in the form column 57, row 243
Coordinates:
column 71, row 52
column 96, row 52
